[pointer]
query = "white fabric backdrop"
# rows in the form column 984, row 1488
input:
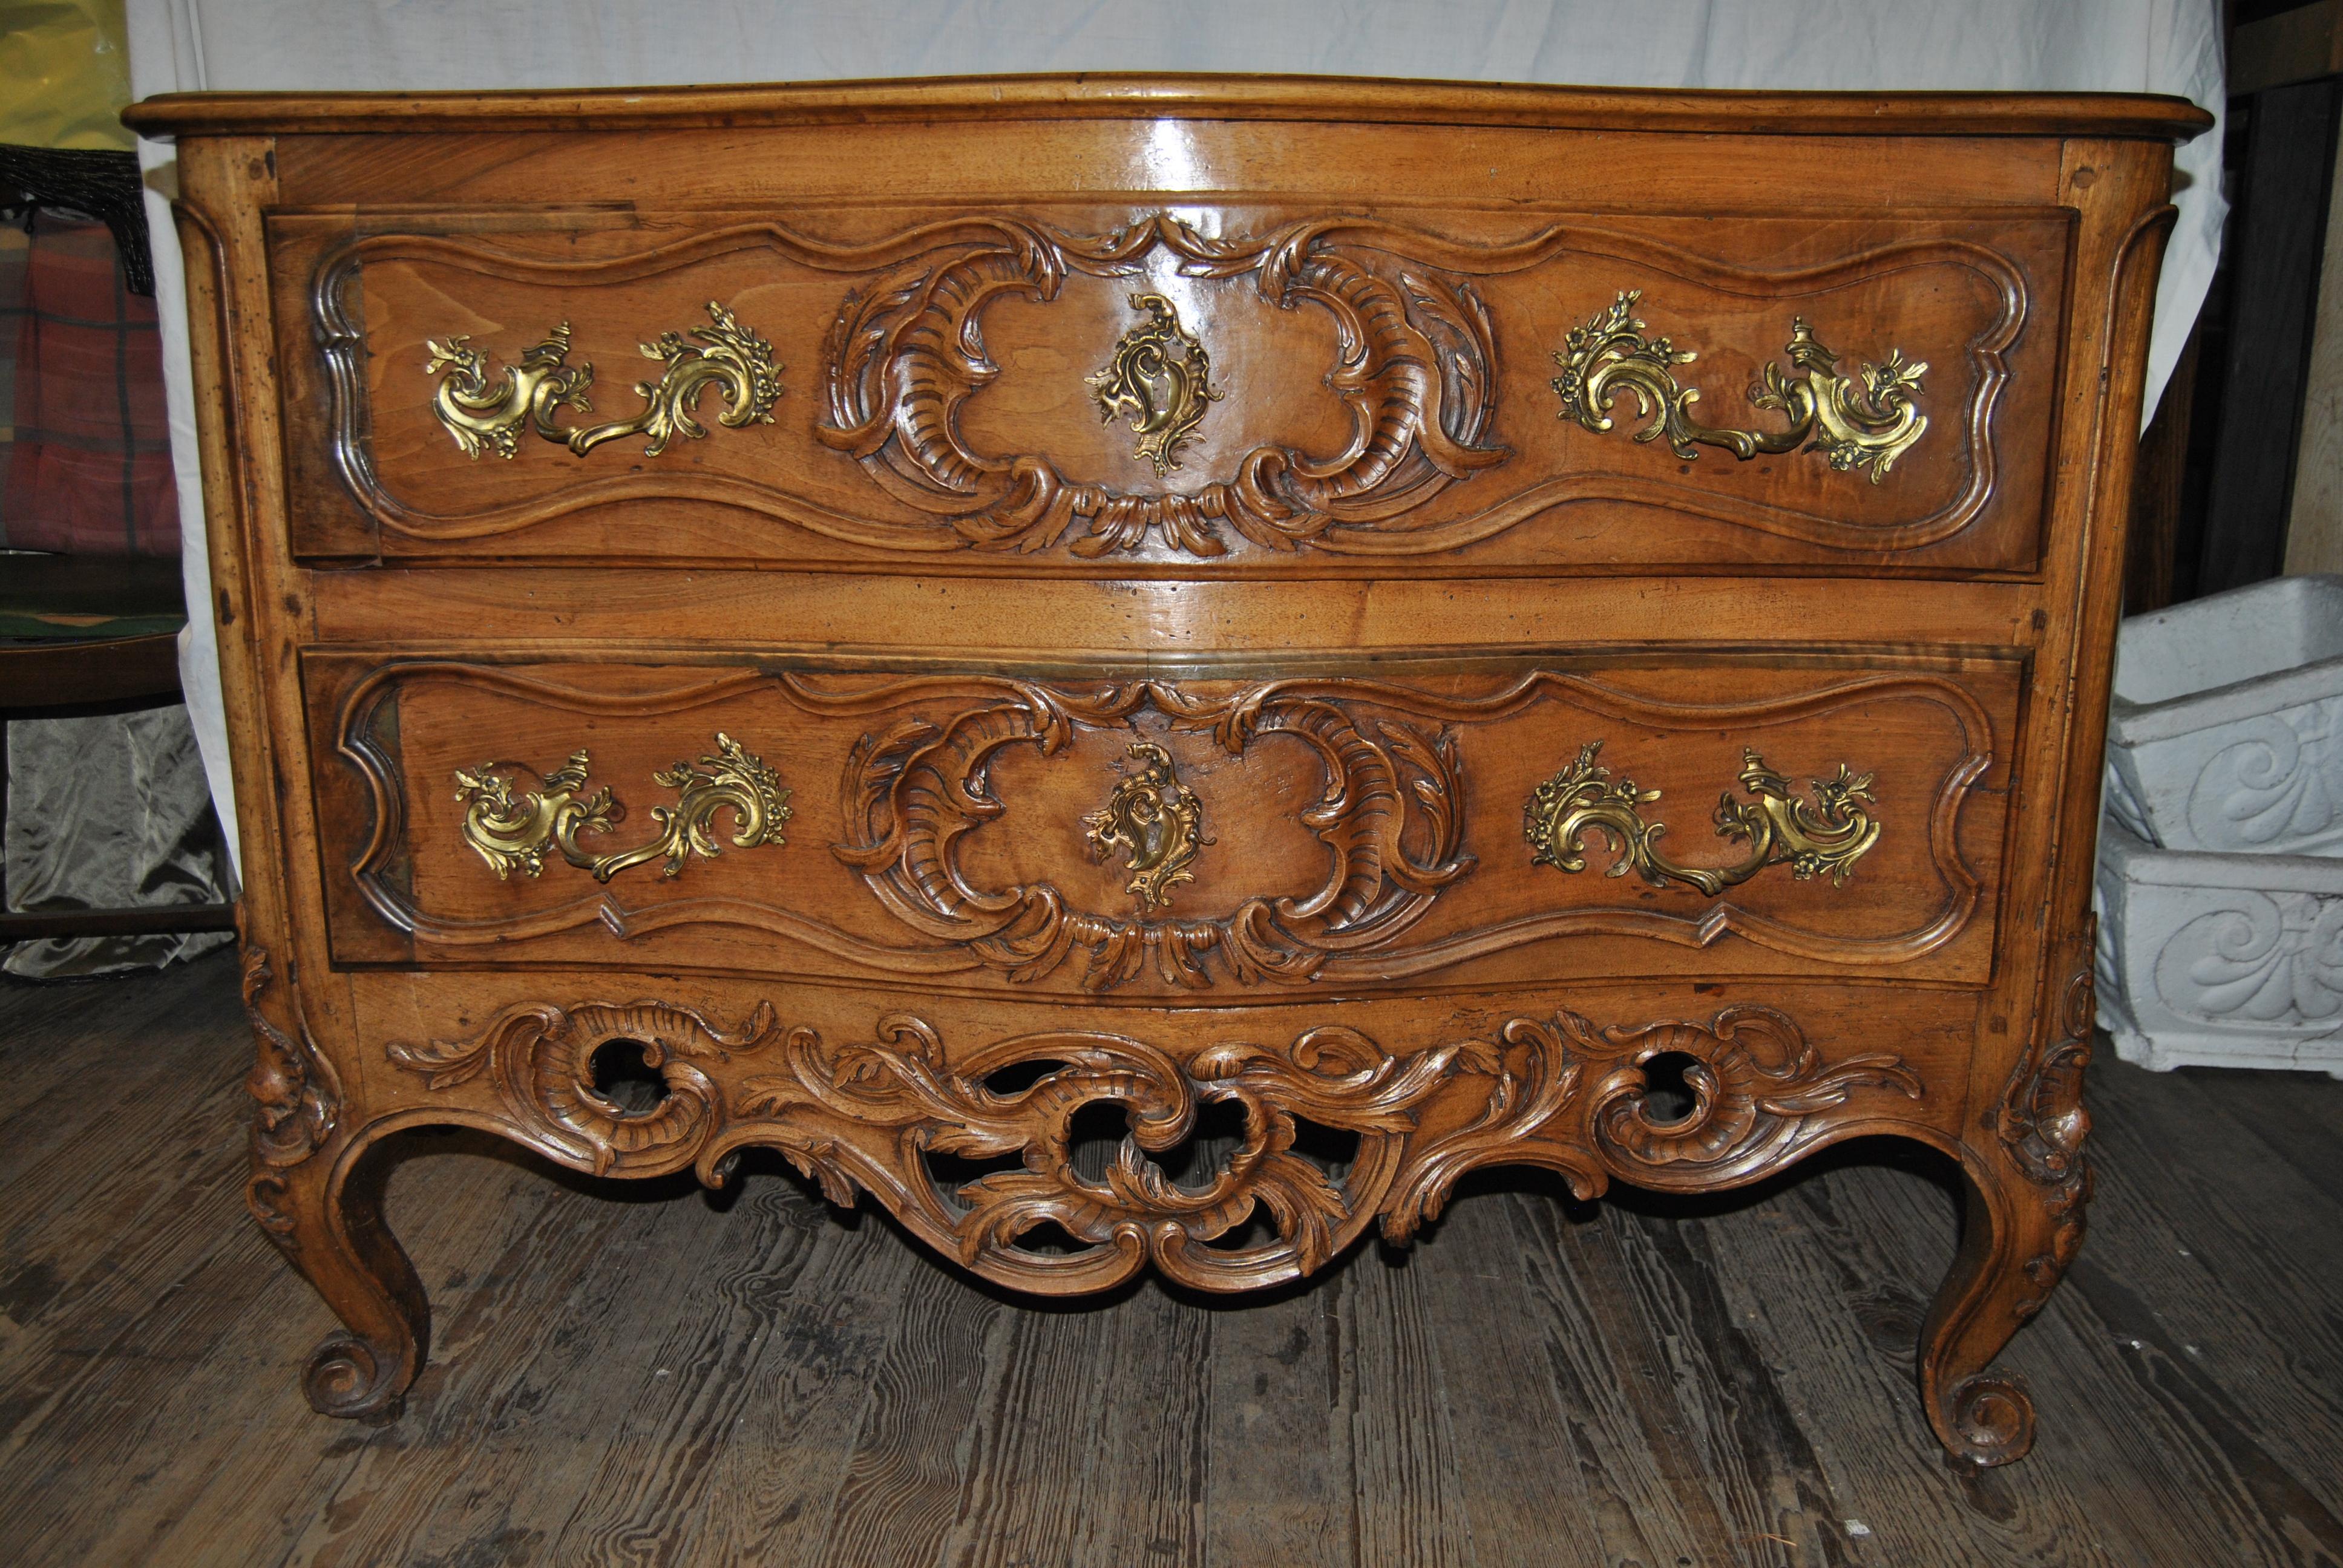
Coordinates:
column 2097, row 45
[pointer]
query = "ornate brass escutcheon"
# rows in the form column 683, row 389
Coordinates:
column 1856, row 424
column 512, row 832
column 1155, row 820
column 1161, row 378
column 1829, row 834
column 484, row 416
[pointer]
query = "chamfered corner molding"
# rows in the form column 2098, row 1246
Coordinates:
column 1826, row 836
column 485, row 416
column 514, row 833
column 1863, row 422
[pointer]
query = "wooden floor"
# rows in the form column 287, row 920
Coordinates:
column 644, row 1374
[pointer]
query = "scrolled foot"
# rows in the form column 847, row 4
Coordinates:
column 328, row 1221
column 347, row 1377
column 1990, row 1420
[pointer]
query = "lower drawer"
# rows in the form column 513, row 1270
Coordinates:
column 1144, row 833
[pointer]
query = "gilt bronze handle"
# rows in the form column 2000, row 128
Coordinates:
column 484, row 416
column 1857, row 423
column 1826, row 836
column 513, row 831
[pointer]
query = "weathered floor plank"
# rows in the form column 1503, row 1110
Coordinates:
column 636, row 1374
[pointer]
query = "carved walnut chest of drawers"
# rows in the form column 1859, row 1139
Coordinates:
column 1387, row 628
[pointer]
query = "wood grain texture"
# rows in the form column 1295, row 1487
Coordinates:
column 1254, row 808
column 1121, row 94
column 670, row 1381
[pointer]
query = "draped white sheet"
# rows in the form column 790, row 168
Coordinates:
column 2080, row 46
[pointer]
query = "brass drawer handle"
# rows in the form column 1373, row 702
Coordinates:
column 481, row 415
column 1866, row 423
column 512, row 833
column 1829, row 834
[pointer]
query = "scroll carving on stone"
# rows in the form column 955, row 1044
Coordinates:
column 896, row 1113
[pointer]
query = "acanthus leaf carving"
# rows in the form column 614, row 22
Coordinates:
column 1130, row 1213
column 297, row 1098
column 2045, row 1126
column 541, row 1060
column 915, row 789
column 1758, row 1086
column 294, row 1091
column 875, row 1112
column 1414, row 364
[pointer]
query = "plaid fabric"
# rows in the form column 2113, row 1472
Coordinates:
column 88, row 469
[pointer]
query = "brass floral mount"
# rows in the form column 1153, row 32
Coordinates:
column 1829, row 834
column 1865, row 424
column 1155, row 820
column 1161, row 378
column 512, row 833
column 485, row 416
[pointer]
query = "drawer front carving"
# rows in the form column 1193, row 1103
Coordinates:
column 1267, row 389
column 1108, row 832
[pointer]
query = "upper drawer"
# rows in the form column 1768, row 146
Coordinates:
column 1229, row 388
column 1084, row 829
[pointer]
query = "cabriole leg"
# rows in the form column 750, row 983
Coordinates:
column 2021, row 1225
column 325, row 1216
column 320, row 1200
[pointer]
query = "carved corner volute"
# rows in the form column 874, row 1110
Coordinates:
column 296, row 1094
column 2043, row 1123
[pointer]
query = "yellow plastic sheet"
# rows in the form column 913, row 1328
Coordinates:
column 65, row 73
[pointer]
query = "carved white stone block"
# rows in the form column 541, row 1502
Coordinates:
column 2227, row 960
column 2227, row 730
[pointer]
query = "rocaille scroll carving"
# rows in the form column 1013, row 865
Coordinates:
column 489, row 416
column 917, row 788
column 297, row 1098
column 1866, row 422
column 1415, row 366
column 541, row 1060
column 1391, row 818
column 1824, row 837
column 513, row 833
column 892, row 1112
column 2045, row 1126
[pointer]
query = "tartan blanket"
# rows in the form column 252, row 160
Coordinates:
column 87, row 467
